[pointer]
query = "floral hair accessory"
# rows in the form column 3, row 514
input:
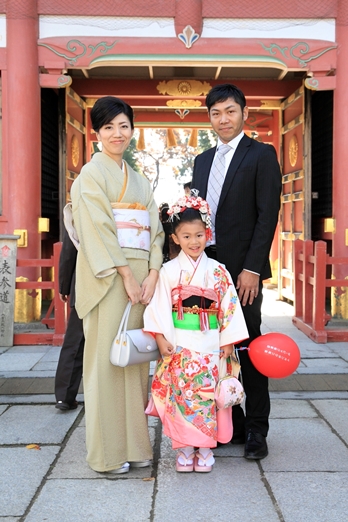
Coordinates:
column 196, row 203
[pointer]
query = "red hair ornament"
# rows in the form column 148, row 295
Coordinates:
column 197, row 203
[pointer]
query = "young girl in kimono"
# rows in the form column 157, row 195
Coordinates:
column 196, row 318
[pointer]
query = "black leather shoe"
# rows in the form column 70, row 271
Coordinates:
column 238, row 438
column 65, row 406
column 255, row 446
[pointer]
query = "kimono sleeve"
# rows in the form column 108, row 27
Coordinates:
column 95, row 225
column 157, row 235
column 233, row 327
column 158, row 313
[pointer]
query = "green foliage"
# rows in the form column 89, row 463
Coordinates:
column 206, row 140
column 131, row 155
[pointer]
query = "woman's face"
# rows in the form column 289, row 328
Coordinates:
column 115, row 137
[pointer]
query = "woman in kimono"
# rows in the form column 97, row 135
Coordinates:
column 196, row 318
column 119, row 256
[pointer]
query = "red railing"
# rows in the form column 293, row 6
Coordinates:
column 310, row 278
column 57, row 322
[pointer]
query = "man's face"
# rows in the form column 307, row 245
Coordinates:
column 227, row 119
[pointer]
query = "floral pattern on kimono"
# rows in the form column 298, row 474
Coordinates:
column 184, row 384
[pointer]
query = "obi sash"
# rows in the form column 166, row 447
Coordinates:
column 133, row 226
column 193, row 322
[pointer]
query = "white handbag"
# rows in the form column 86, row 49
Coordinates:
column 132, row 346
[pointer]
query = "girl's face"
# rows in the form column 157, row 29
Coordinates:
column 115, row 137
column 191, row 237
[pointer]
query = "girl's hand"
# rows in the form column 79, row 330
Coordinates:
column 131, row 285
column 165, row 348
column 148, row 286
column 227, row 350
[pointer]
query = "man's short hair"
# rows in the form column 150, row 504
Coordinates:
column 221, row 93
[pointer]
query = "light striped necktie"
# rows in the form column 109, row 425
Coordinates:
column 216, row 180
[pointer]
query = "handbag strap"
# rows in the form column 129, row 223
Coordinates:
column 122, row 329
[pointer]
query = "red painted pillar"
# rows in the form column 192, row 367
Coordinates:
column 24, row 125
column 340, row 150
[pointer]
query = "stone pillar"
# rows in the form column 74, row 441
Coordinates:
column 24, row 125
column 8, row 257
column 340, row 162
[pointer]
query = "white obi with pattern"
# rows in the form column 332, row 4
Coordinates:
column 133, row 228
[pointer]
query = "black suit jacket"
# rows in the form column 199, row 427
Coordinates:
column 248, row 208
column 67, row 264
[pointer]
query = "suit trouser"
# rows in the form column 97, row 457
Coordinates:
column 69, row 368
column 257, row 404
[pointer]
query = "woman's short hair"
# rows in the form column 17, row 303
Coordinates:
column 106, row 109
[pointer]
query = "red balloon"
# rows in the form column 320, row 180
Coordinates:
column 275, row 355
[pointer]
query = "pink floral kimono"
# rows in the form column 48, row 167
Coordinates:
column 184, row 384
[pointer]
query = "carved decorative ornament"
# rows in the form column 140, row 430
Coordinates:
column 188, row 36
column 293, row 150
column 184, row 103
column 182, row 113
column 75, row 151
column 301, row 52
column 77, row 49
column 184, row 87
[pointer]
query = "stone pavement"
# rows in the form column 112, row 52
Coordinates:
column 304, row 478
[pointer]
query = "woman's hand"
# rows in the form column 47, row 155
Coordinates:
column 148, row 286
column 165, row 348
column 131, row 285
column 227, row 350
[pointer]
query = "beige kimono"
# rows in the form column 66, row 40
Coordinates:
column 116, row 426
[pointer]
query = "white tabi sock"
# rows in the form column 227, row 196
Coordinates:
column 187, row 451
column 205, row 452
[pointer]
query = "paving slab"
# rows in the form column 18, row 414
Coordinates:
column 340, row 349
column 30, row 348
column 308, row 395
column 52, row 355
column 305, row 445
column 310, row 497
column 15, row 362
column 234, row 490
column 286, row 409
column 3, row 408
column 22, row 471
column 336, row 414
column 309, row 366
column 89, row 500
column 72, row 461
column 311, row 350
column 45, row 366
column 21, row 374
column 35, row 424
column 34, row 399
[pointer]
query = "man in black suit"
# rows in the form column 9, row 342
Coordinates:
column 247, row 201
column 69, row 368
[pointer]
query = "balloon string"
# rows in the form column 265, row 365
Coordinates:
column 243, row 348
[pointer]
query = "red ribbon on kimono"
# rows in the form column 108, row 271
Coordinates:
column 182, row 292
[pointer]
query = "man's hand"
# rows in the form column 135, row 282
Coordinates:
column 247, row 286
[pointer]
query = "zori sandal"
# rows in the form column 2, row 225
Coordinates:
column 202, row 468
column 186, row 467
